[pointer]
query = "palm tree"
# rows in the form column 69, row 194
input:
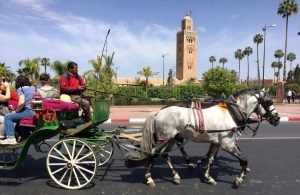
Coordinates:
column 291, row 57
column 147, row 72
column 108, row 68
column 223, row 61
column 286, row 8
column 258, row 39
column 59, row 67
column 274, row 65
column 212, row 59
column 238, row 54
column 278, row 54
column 279, row 66
column 45, row 62
column 247, row 52
column 31, row 68
column 5, row 72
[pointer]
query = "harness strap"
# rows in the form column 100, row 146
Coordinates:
column 198, row 116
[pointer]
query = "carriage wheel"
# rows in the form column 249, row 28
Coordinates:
column 9, row 156
column 105, row 153
column 72, row 163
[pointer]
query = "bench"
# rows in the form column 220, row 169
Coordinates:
column 54, row 104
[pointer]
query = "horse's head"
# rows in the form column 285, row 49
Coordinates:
column 260, row 103
column 266, row 107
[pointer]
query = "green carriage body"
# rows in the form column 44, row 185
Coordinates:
column 45, row 130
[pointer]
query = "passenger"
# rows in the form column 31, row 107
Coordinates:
column 26, row 92
column 74, row 85
column 4, row 97
column 46, row 91
column 11, row 103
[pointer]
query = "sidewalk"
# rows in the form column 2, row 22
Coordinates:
column 287, row 112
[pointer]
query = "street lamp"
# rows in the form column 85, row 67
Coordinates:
column 163, row 56
column 265, row 29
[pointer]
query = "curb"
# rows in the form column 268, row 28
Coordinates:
column 142, row 120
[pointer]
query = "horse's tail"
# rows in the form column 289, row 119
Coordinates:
column 147, row 134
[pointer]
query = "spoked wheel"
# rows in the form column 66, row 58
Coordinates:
column 105, row 153
column 72, row 163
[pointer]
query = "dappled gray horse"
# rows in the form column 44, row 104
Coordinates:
column 214, row 124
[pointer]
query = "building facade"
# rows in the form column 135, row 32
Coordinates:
column 186, row 50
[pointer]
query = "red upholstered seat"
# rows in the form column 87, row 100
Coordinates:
column 59, row 105
column 55, row 104
column 30, row 122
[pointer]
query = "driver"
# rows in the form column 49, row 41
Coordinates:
column 74, row 85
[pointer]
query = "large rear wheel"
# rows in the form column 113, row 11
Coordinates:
column 72, row 163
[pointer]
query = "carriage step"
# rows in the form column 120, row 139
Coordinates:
column 11, row 147
column 6, row 166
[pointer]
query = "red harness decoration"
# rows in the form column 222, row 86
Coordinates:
column 198, row 116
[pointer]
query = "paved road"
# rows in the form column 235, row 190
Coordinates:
column 274, row 164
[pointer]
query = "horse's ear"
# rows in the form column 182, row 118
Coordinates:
column 263, row 89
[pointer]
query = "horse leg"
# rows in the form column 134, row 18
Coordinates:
column 186, row 157
column 148, row 177
column 234, row 151
column 247, row 168
column 213, row 150
column 176, row 177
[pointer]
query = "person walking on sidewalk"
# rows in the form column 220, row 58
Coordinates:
column 289, row 95
column 293, row 95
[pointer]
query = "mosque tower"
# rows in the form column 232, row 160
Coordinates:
column 186, row 50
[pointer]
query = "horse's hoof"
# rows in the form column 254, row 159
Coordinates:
column 151, row 183
column 248, row 170
column 176, row 179
column 191, row 165
column 237, row 182
column 211, row 181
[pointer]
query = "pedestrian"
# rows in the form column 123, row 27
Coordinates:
column 289, row 95
column 74, row 85
column 293, row 95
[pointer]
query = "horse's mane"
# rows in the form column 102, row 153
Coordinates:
column 245, row 92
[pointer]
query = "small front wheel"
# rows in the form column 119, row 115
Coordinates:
column 105, row 153
column 72, row 163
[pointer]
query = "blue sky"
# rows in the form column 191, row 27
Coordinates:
column 141, row 31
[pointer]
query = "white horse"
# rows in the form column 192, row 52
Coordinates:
column 215, row 124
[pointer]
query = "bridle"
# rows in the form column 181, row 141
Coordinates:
column 266, row 103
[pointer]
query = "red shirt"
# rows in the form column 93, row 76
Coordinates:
column 69, row 84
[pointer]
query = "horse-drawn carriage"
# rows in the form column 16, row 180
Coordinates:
column 81, row 147
column 73, row 160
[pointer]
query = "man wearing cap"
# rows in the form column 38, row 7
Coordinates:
column 74, row 85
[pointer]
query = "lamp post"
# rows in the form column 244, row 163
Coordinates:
column 163, row 56
column 264, row 56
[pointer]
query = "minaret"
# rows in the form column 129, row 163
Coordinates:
column 186, row 50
